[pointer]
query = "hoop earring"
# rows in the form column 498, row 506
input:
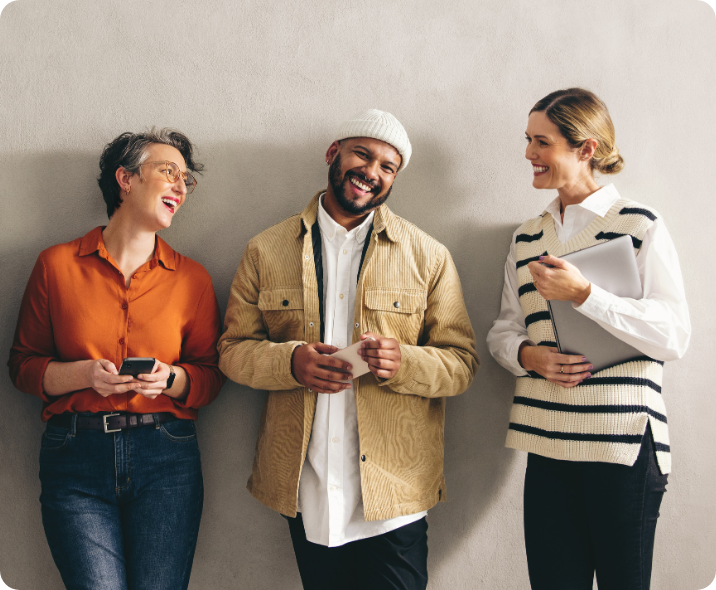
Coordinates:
column 128, row 189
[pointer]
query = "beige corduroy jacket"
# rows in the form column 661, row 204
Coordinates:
column 273, row 308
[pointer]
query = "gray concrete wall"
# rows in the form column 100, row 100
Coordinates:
column 260, row 87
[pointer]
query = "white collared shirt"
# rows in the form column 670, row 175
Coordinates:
column 329, row 492
column 658, row 324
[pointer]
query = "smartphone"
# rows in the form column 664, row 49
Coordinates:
column 136, row 365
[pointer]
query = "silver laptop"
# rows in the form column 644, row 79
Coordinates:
column 612, row 266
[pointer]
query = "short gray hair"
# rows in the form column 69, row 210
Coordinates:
column 129, row 151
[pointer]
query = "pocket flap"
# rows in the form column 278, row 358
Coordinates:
column 396, row 300
column 281, row 299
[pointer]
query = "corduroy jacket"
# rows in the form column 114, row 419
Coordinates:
column 274, row 307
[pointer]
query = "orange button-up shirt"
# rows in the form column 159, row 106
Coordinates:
column 77, row 306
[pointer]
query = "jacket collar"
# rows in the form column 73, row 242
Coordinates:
column 93, row 242
column 383, row 220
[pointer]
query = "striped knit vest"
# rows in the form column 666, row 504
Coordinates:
column 605, row 417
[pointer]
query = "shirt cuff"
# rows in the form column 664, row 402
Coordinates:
column 514, row 353
column 597, row 304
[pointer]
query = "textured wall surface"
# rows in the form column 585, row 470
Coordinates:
column 260, row 87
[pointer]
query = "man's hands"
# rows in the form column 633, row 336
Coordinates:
column 382, row 355
column 312, row 368
column 565, row 370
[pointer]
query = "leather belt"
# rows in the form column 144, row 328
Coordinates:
column 110, row 422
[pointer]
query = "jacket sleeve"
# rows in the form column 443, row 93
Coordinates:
column 199, row 357
column 33, row 347
column 247, row 356
column 445, row 360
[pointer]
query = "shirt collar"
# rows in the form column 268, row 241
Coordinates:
column 94, row 242
column 331, row 230
column 383, row 219
column 599, row 202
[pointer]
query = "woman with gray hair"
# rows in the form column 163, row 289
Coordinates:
column 122, row 489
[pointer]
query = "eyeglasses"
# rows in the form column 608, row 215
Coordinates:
column 172, row 173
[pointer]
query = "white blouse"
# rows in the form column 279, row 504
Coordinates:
column 658, row 324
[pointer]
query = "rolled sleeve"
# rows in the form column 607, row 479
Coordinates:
column 33, row 345
column 199, row 357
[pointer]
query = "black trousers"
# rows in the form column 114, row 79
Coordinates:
column 397, row 560
column 583, row 517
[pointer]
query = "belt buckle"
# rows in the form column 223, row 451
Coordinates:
column 104, row 422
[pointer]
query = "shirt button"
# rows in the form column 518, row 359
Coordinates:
column 333, row 488
column 310, row 324
column 340, row 344
column 340, row 296
column 307, row 257
column 362, row 458
column 396, row 304
column 134, row 276
column 357, row 325
column 335, row 439
column 285, row 303
column 330, row 235
column 121, row 340
column 124, row 306
column 345, row 251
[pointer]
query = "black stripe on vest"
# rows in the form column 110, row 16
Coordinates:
column 610, row 409
column 537, row 317
column 526, row 261
column 662, row 447
column 621, row 381
column 526, row 288
column 529, row 237
column 637, row 211
column 608, row 438
column 613, row 235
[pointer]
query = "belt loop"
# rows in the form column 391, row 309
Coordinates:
column 156, row 421
column 73, row 425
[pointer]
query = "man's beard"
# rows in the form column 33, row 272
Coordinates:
column 339, row 191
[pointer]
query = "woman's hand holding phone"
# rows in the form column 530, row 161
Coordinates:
column 106, row 380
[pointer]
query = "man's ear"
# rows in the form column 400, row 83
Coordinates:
column 332, row 151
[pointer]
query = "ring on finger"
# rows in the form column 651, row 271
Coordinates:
column 561, row 369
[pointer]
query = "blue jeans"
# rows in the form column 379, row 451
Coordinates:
column 581, row 518
column 121, row 511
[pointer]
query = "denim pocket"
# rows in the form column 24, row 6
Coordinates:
column 55, row 438
column 179, row 430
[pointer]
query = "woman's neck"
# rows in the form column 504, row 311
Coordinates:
column 128, row 245
column 577, row 192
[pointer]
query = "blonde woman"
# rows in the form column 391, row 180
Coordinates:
column 598, row 442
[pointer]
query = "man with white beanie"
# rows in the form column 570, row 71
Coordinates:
column 352, row 463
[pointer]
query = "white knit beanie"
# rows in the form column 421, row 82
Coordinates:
column 378, row 125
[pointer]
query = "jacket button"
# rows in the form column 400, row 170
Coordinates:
column 121, row 340
column 396, row 304
column 284, row 302
column 362, row 458
column 124, row 306
column 311, row 324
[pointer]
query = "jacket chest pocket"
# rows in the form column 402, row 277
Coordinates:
column 396, row 313
column 282, row 312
